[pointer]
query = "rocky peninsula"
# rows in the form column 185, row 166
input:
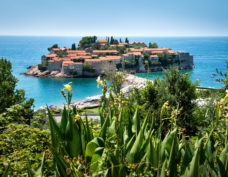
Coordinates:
column 95, row 57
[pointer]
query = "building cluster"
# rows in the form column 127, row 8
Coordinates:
column 73, row 60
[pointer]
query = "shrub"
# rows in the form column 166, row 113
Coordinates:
column 42, row 67
column 54, row 46
column 9, row 94
column 88, row 67
column 165, row 58
column 128, row 145
column 19, row 144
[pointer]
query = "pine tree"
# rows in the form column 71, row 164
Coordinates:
column 120, row 40
column 126, row 40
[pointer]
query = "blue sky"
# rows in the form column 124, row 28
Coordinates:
column 114, row 17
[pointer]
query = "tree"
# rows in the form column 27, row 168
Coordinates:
column 223, row 77
column 179, row 91
column 120, row 40
column 165, row 58
column 153, row 45
column 126, row 40
column 112, row 39
column 61, row 54
column 115, row 41
column 9, row 96
column 54, row 46
column 87, row 41
column 73, row 46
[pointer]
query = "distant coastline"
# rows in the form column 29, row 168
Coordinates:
column 94, row 57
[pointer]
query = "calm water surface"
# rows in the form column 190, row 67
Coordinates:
column 209, row 53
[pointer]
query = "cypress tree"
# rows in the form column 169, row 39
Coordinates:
column 73, row 47
column 126, row 40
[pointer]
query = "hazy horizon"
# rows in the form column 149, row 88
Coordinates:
column 134, row 18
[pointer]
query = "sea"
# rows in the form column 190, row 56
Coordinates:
column 209, row 53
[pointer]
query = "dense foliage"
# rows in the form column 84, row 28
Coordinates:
column 165, row 58
column 153, row 45
column 19, row 140
column 52, row 47
column 88, row 67
column 21, row 143
column 9, row 95
column 87, row 42
column 129, row 144
column 156, row 131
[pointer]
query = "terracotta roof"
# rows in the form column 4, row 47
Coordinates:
column 66, row 63
column 76, row 51
column 105, row 51
column 71, row 55
column 50, row 55
column 50, row 61
column 123, row 43
column 55, row 49
column 135, row 53
column 78, row 63
column 107, row 58
column 102, row 41
column 153, row 56
column 136, row 50
column 78, row 57
column 111, row 58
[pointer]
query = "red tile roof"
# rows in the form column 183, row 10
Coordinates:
column 105, row 51
column 50, row 55
column 100, row 41
column 55, row 49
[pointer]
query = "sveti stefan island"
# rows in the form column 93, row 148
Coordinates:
column 120, row 88
column 94, row 57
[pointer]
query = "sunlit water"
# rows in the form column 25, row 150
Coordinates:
column 209, row 53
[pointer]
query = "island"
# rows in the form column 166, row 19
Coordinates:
column 93, row 57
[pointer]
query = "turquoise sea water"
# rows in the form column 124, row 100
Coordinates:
column 209, row 53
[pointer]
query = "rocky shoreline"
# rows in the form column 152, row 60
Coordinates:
column 34, row 71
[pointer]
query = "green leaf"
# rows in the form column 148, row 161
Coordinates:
column 64, row 120
column 6, row 173
column 40, row 170
column 56, row 136
column 193, row 170
column 104, row 128
column 172, row 163
column 136, row 122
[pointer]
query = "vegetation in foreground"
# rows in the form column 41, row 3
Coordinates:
column 150, row 132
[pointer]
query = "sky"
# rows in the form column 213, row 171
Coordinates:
column 114, row 17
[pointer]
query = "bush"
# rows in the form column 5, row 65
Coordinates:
column 153, row 45
column 42, row 67
column 54, row 46
column 165, row 58
column 88, row 67
column 127, row 144
column 19, row 144
column 9, row 96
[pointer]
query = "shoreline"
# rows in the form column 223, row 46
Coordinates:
column 131, row 81
column 34, row 71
